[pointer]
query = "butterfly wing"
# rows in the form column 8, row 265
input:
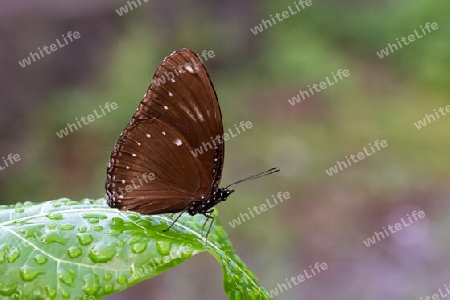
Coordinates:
column 178, row 117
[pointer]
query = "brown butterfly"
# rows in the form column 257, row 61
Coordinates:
column 154, row 167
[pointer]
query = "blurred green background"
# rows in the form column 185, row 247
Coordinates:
column 327, row 217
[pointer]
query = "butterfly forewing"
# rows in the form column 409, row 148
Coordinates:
column 179, row 114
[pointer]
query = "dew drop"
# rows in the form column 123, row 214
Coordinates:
column 28, row 273
column 52, row 226
column 19, row 210
column 97, row 228
column 7, row 286
column 139, row 247
column 107, row 276
column 65, row 294
column 13, row 255
column 67, row 227
column 74, row 252
column 55, row 216
column 116, row 221
column 108, row 287
column 163, row 247
column 85, row 238
column 102, row 252
column 115, row 232
column 40, row 259
column 82, row 229
column 53, row 237
column 66, row 277
column 95, row 216
column 122, row 279
column 51, row 292
column 91, row 284
column 134, row 239
column 2, row 257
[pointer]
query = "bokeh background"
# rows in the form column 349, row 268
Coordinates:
column 327, row 217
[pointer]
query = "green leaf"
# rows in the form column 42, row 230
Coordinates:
column 86, row 250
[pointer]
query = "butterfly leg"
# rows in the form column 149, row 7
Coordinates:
column 173, row 223
column 208, row 216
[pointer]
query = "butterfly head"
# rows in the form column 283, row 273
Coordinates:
column 222, row 194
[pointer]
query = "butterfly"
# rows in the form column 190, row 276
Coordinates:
column 154, row 167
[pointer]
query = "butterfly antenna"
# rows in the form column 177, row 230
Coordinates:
column 259, row 175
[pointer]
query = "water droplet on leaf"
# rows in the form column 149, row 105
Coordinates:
column 40, row 259
column 13, row 255
column 102, row 252
column 163, row 247
column 28, row 273
column 55, row 216
column 139, row 247
column 53, row 237
column 91, row 284
column 74, row 252
column 85, row 238
column 67, row 227
column 66, row 276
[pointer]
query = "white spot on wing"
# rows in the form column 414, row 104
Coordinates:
column 172, row 79
column 133, row 154
column 148, row 135
column 178, row 142
column 170, row 94
column 188, row 112
column 164, row 133
column 199, row 114
column 123, row 181
column 165, row 107
column 189, row 69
